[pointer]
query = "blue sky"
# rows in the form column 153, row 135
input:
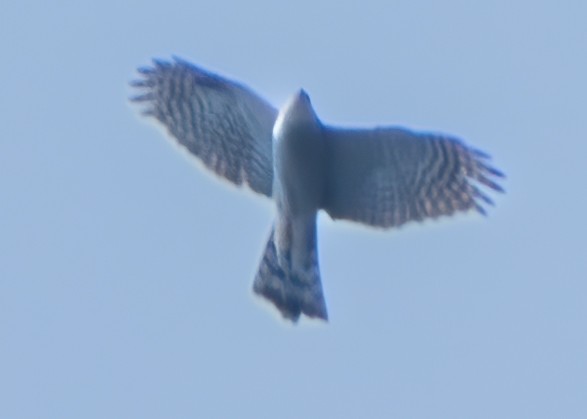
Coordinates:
column 126, row 271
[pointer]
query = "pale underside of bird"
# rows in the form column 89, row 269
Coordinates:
column 382, row 177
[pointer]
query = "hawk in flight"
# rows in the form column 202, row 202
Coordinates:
column 382, row 177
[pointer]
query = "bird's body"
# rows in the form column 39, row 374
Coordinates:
column 382, row 177
column 298, row 189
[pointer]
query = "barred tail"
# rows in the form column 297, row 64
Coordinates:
column 293, row 293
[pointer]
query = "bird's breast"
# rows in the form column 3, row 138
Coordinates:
column 298, row 167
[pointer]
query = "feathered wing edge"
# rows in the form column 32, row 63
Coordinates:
column 223, row 123
column 387, row 176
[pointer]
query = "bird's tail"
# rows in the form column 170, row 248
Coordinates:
column 293, row 293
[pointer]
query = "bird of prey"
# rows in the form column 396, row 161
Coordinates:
column 382, row 177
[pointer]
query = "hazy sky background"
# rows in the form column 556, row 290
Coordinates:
column 126, row 271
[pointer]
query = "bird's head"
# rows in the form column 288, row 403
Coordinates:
column 297, row 112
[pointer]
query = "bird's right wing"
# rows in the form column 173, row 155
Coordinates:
column 386, row 177
column 224, row 124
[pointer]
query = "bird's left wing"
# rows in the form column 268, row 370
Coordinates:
column 223, row 123
column 386, row 177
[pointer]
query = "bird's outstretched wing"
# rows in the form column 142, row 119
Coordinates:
column 223, row 123
column 386, row 177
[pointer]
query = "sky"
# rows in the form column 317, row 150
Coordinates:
column 126, row 269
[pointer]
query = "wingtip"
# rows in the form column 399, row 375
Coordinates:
column 161, row 63
column 498, row 173
column 481, row 210
column 146, row 97
column 141, row 83
column 145, row 70
column 179, row 60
